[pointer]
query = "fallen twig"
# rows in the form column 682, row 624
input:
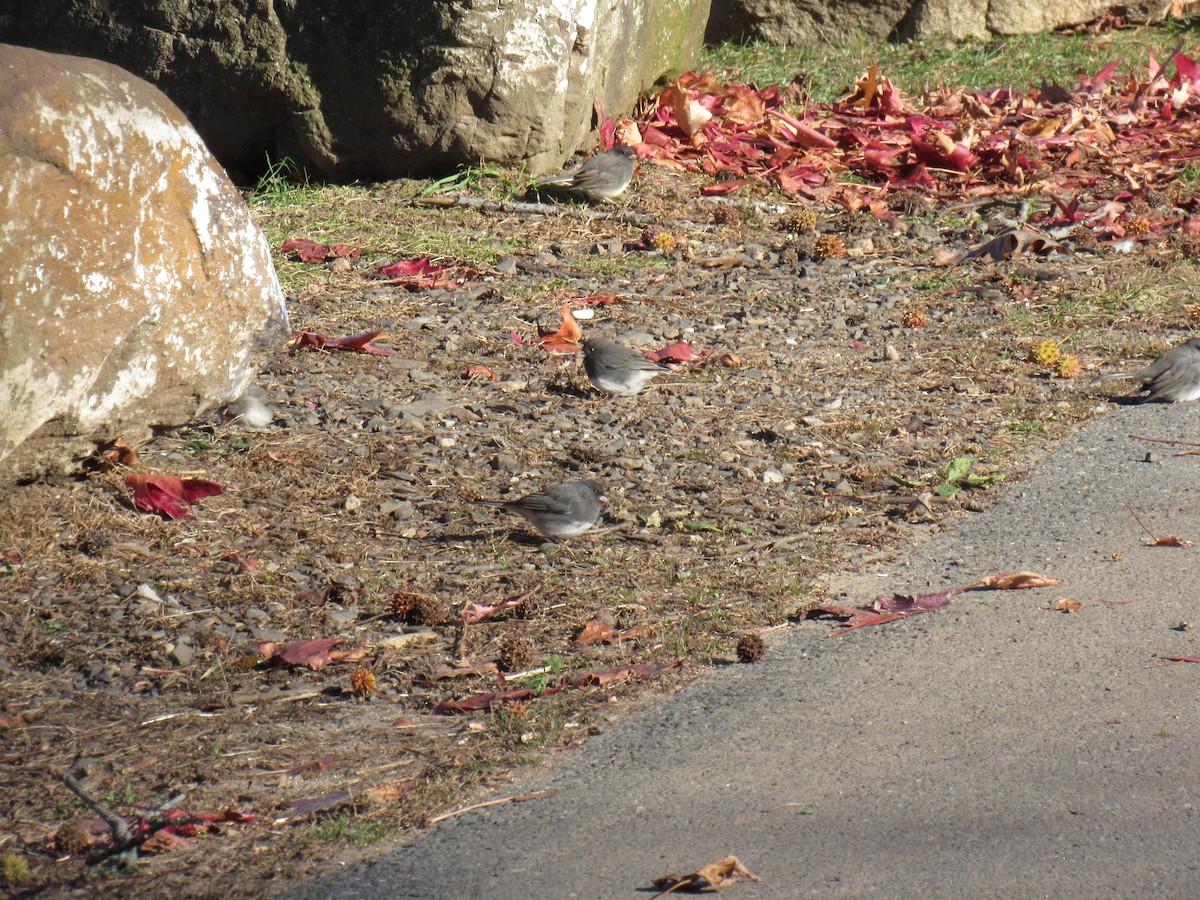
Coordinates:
column 122, row 836
column 520, row 798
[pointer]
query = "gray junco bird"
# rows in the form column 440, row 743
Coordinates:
column 1173, row 377
column 563, row 511
column 618, row 370
column 602, row 177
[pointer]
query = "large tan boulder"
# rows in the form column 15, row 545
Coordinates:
column 382, row 88
column 825, row 21
column 136, row 290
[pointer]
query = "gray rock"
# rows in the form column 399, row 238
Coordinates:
column 430, row 86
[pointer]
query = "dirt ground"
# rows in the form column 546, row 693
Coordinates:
column 847, row 373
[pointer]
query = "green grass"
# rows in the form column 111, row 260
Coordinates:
column 1019, row 62
column 346, row 829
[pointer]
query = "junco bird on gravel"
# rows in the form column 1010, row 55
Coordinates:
column 618, row 370
column 1173, row 377
column 602, row 177
column 563, row 511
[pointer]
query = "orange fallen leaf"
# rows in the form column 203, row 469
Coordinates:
column 1170, row 541
column 596, row 632
column 566, row 339
column 1066, row 605
column 478, row 371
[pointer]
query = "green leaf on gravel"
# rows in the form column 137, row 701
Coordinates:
column 701, row 526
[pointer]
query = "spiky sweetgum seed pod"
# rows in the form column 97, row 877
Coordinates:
column 1083, row 236
column 664, row 242
column 728, row 215
column 914, row 318
column 829, row 246
column 801, row 220
column 1045, row 353
column 1139, row 225
column 362, row 682
column 1067, row 366
column 751, row 648
column 650, row 235
column 518, row 651
column 428, row 611
column 402, row 603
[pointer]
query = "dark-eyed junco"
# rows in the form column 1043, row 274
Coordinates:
column 602, row 177
column 1173, row 377
column 563, row 511
column 618, row 370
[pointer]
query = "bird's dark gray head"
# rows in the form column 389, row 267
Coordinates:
column 595, row 488
column 625, row 150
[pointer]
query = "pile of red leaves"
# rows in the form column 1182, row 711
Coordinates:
column 1109, row 139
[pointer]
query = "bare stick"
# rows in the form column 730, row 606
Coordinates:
column 122, row 836
column 1138, row 437
column 520, row 798
column 1139, row 521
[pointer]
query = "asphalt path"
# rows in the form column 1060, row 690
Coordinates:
column 994, row 748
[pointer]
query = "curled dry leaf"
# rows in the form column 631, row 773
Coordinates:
column 1012, row 581
column 717, row 875
column 477, row 371
column 473, row 613
column 596, row 632
column 1170, row 541
column 315, row 653
column 566, row 339
column 1067, row 605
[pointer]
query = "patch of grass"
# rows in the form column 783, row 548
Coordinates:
column 487, row 179
column 346, row 829
column 1019, row 62
column 1027, row 426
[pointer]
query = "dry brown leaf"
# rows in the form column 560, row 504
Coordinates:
column 596, row 632
column 1013, row 581
column 1066, row 605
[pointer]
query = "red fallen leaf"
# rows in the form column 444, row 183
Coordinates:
column 1194, row 658
column 488, row 700
column 169, row 495
column 566, row 339
column 596, row 632
column 478, row 371
column 678, row 352
column 865, row 618
column 357, row 343
column 415, row 274
column 311, row 251
column 1170, row 541
column 307, row 805
column 314, row 653
column 1014, row 581
column 1066, row 605
column 602, row 677
column 919, row 603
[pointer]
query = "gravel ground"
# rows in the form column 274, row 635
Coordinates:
column 810, row 441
